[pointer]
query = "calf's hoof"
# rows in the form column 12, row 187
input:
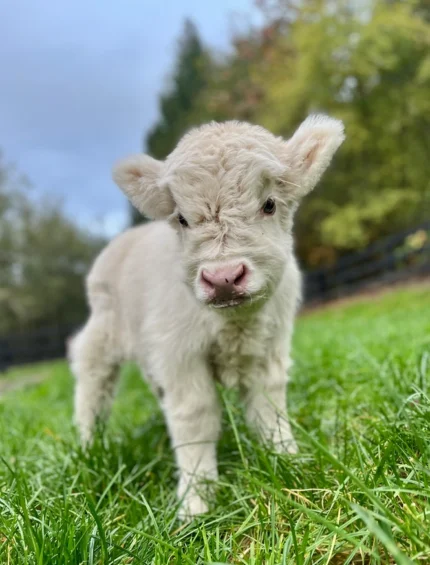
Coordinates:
column 192, row 506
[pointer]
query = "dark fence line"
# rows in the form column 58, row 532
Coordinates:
column 41, row 344
column 389, row 260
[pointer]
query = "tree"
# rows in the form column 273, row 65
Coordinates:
column 178, row 105
column 371, row 70
column 44, row 258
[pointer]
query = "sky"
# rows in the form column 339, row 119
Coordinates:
column 79, row 88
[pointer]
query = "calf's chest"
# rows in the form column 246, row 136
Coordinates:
column 235, row 350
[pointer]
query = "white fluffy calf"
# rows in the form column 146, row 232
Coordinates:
column 209, row 291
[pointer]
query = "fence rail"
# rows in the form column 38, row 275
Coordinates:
column 394, row 258
column 42, row 344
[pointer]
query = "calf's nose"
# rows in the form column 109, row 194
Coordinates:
column 225, row 282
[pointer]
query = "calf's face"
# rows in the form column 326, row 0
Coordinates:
column 230, row 190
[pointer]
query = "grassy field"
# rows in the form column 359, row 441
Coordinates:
column 358, row 492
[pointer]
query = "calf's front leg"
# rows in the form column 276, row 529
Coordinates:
column 265, row 396
column 191, row 407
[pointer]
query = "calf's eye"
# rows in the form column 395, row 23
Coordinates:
column 182, row 221
column 269, row 207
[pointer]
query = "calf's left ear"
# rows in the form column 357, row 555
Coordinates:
column 309, row 151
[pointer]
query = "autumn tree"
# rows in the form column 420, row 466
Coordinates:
column 371, row 70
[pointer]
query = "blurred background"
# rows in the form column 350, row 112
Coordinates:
column 83, row 84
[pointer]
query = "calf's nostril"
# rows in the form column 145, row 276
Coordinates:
column 240, row 275
column 206, row 278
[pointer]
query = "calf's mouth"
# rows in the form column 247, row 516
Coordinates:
column 230, row 302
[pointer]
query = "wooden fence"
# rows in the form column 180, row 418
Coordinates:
column 41, row 344
column 398, row 257
column 401, row 256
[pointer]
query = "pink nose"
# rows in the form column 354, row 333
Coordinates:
column 225, row 283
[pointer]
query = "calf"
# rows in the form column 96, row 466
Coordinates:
column 206, row 292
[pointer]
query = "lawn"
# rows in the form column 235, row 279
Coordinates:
column 358, row 492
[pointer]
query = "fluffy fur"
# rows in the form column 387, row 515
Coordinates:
column 147, row 303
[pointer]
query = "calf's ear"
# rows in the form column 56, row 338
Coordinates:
column 309, row 151
column 139, row 177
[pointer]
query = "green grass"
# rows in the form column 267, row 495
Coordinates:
column 357, row 493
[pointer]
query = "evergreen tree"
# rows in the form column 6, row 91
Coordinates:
column 178, row 105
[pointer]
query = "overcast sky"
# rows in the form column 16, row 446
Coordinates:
column 79, row 81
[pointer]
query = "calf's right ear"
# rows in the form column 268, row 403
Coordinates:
column 139, row 177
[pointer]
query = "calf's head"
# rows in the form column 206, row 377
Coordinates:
column 231, row 190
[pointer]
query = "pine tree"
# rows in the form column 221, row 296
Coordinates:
column 178, row 105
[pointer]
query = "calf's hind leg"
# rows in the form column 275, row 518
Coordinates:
column 95, row 367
